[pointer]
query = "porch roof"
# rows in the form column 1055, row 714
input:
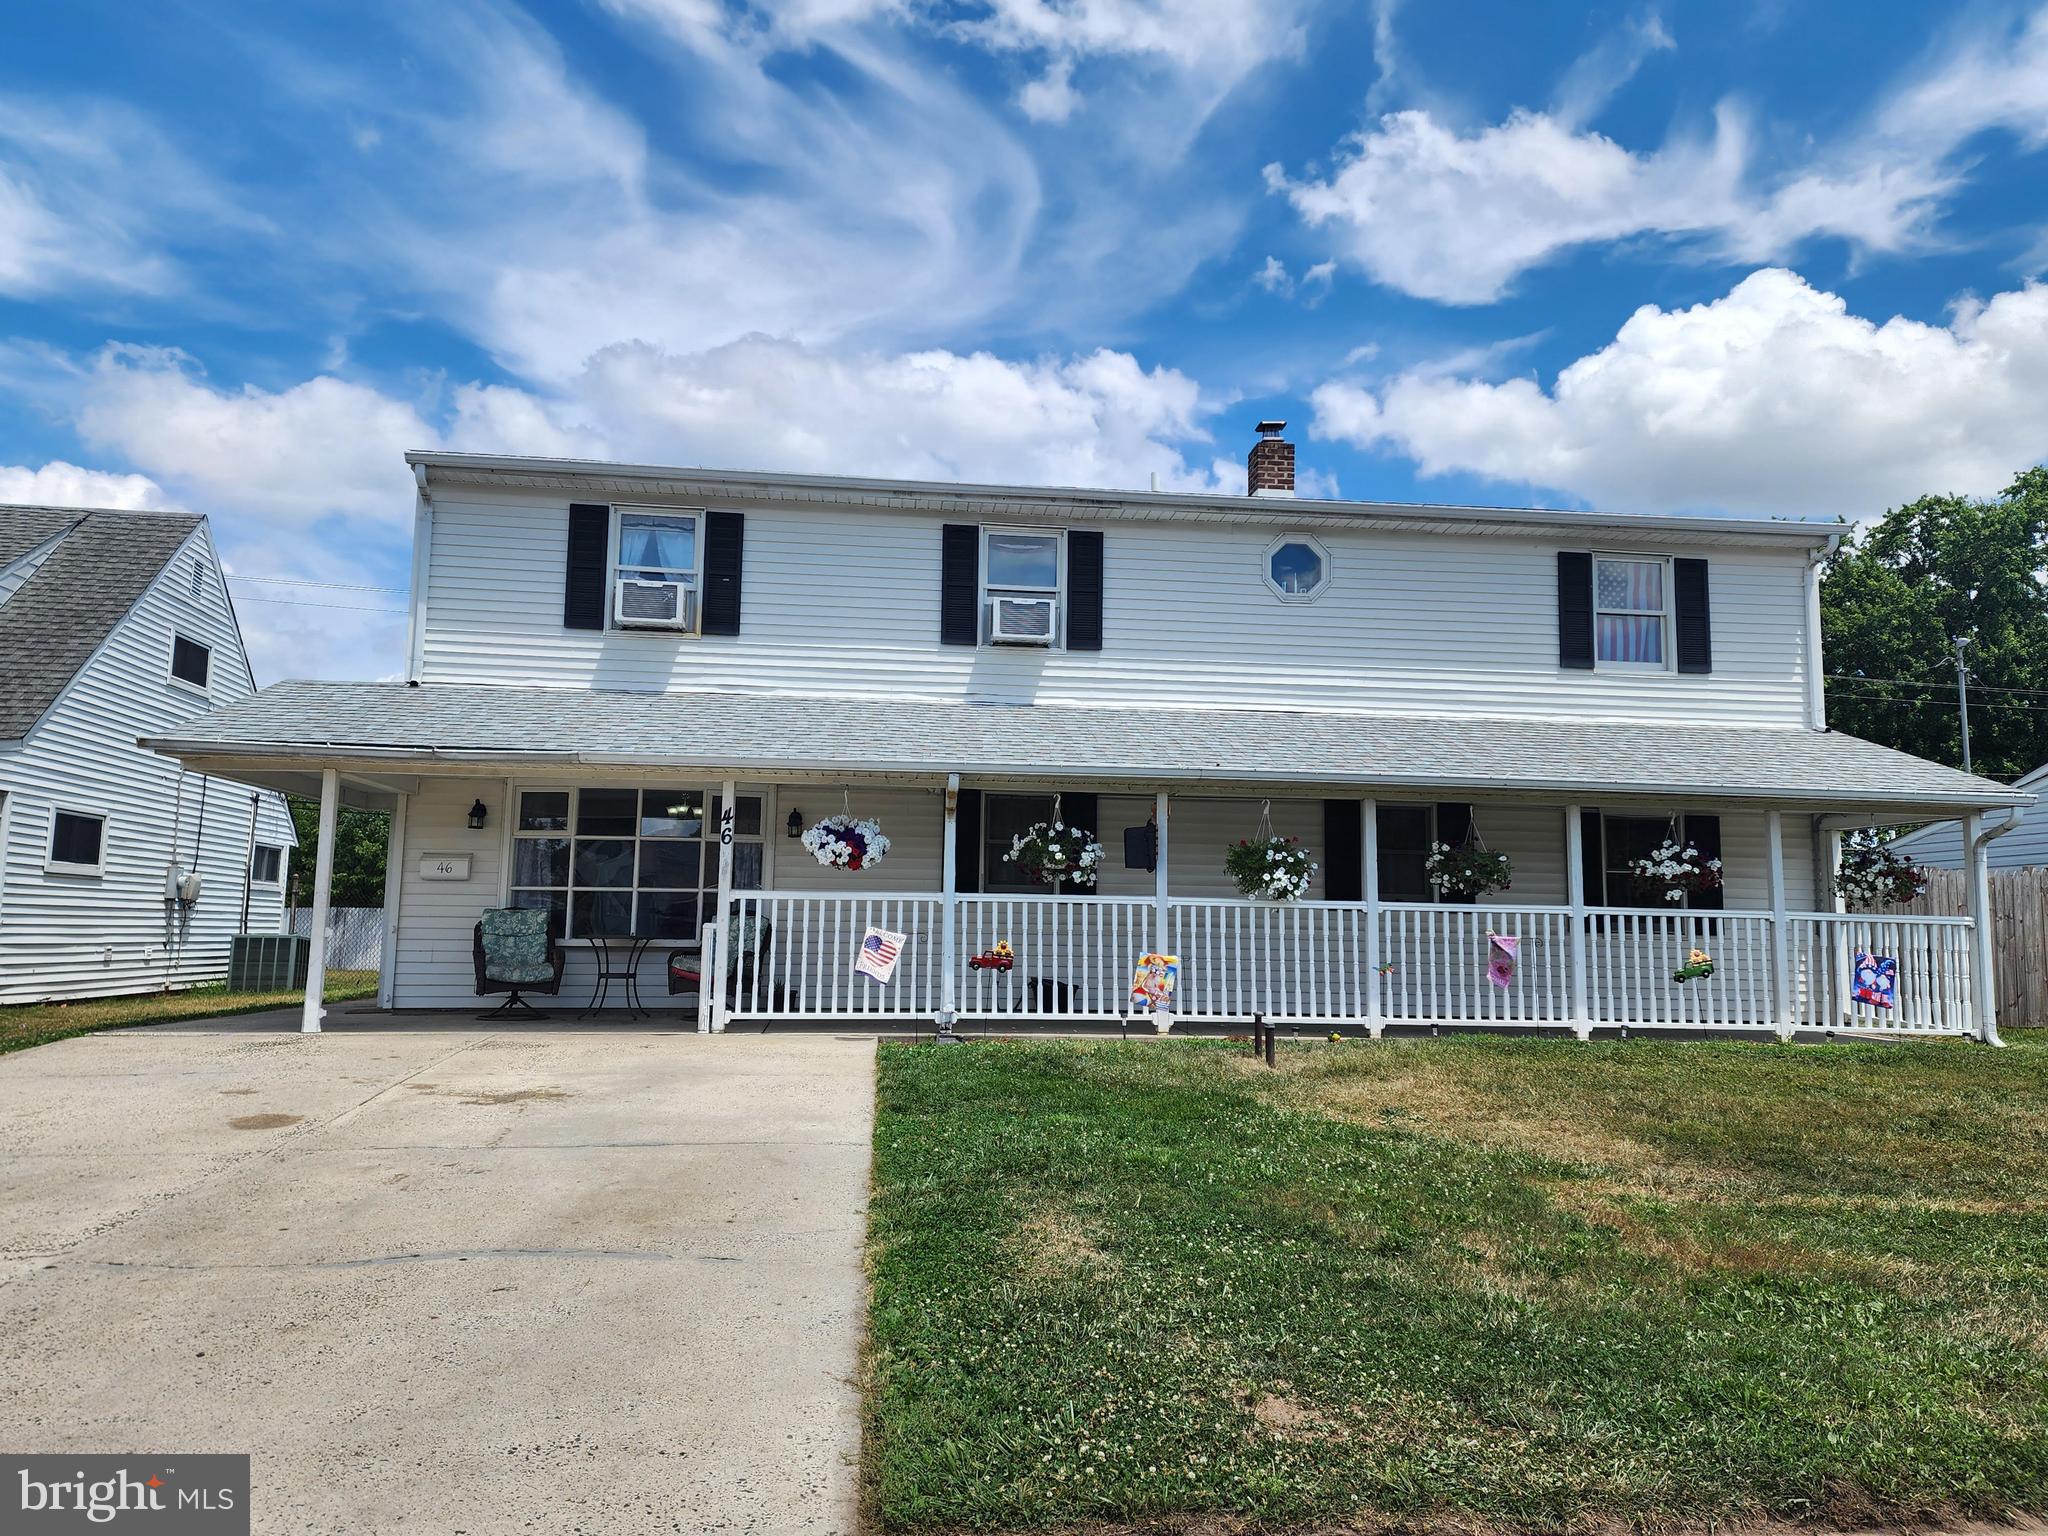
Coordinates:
column 404, row 728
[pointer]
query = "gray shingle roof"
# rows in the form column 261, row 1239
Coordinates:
column 768, row 733
column 52, row 625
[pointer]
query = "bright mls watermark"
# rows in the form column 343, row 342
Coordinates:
column 166, row 1495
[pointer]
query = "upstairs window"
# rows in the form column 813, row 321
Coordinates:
column 1630, row 612
column 1021, row 569
column 1297, row 568
column 266, row 865
column 191, row 662
column 78, row 843
column 655, row 572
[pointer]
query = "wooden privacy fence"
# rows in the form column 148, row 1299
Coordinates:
column 2019, row 934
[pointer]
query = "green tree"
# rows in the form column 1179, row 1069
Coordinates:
column 1894, row 597
column 359, row 843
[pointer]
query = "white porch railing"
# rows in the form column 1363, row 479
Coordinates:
column 1328, row 963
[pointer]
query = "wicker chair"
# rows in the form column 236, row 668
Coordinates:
column 686, row 967
column 517, row 951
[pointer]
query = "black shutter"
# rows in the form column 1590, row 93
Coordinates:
column 725, row 543
column 1593, row 858
column 960, row 584
column 1084, row 591
column 1695, row 615
column 1575, row 610
column 967, row 842
column 1343, row 850
column 1704, row 833
column 590, row 537
column 1082, row 811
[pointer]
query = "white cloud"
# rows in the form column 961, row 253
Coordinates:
column 1100, row 419
column 62, row 484
column 92, row 196
column 319, row 448
column 1273, row 276
column 1456, row 216
column 1771, row 399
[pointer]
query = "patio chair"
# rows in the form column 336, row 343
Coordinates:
column 516, row 952
column 751, row 936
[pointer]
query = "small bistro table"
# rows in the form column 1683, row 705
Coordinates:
column 618, row 959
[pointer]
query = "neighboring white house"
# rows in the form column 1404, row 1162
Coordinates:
column 630, row 689
column 114, row 626
column 1939, row 844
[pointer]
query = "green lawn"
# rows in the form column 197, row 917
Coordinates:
column 1471, row 1282
column 39, row 1023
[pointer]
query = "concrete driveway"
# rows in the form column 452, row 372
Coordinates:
column 446, row 1279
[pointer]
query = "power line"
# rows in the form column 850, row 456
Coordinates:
column 300, row 602
column 1914, row 682
column 296, row 581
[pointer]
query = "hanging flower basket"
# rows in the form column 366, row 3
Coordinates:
column 1471, row 870
column 1052, row 851
column 1270, row 868
column 846, row 842
column 1676, row 870
column 1874, row 875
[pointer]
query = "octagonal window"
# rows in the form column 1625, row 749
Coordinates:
column 1297, row 568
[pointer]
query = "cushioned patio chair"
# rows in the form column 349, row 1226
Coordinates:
column 751, row 936
column 516, row 953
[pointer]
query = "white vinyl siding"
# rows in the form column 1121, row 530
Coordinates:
column 845, row 600
column 65, row 936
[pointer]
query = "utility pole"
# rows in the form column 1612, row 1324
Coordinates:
column 1963, row 696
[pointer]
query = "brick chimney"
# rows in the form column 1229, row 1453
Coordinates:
column 1269, row 467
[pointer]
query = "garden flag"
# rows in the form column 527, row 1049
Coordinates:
column 1501, row 949
column 879, row 951
column 1153, row 983
column 1877, row 979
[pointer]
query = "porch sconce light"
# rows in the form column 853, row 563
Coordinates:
column 796, row 823
column 477, row 813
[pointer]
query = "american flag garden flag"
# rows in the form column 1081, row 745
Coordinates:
column 879, row 951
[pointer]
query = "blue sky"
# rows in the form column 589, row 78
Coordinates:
column 1740, row 255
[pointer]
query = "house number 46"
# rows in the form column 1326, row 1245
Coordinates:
column 725, row 827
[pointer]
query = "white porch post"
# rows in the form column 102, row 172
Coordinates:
column 727, row 815
column 1162, row 908
column 1575, row 886
column 1781, row 926
column 323, row 880
column 394, row 888
column 949, row 908
column 1375, row 1007
column 1983, row 969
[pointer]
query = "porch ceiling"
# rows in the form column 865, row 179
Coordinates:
column 408, row 729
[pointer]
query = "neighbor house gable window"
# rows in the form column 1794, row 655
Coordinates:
column 266, row 865
column 625, row 859
column 1021, row 574
column 656, row 568
column 1631, row 612
column 191, row 661
column 78, row 842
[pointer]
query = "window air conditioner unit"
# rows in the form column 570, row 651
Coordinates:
column 1022, row 620
column 653, row 604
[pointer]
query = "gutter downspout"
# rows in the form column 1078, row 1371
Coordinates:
column 416, row 605
column 1816, row 687
column 1977, row 838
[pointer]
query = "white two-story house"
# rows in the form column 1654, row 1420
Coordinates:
column 630, row 691
column 120, row 870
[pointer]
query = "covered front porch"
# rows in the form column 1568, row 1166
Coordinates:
column 678, row 819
